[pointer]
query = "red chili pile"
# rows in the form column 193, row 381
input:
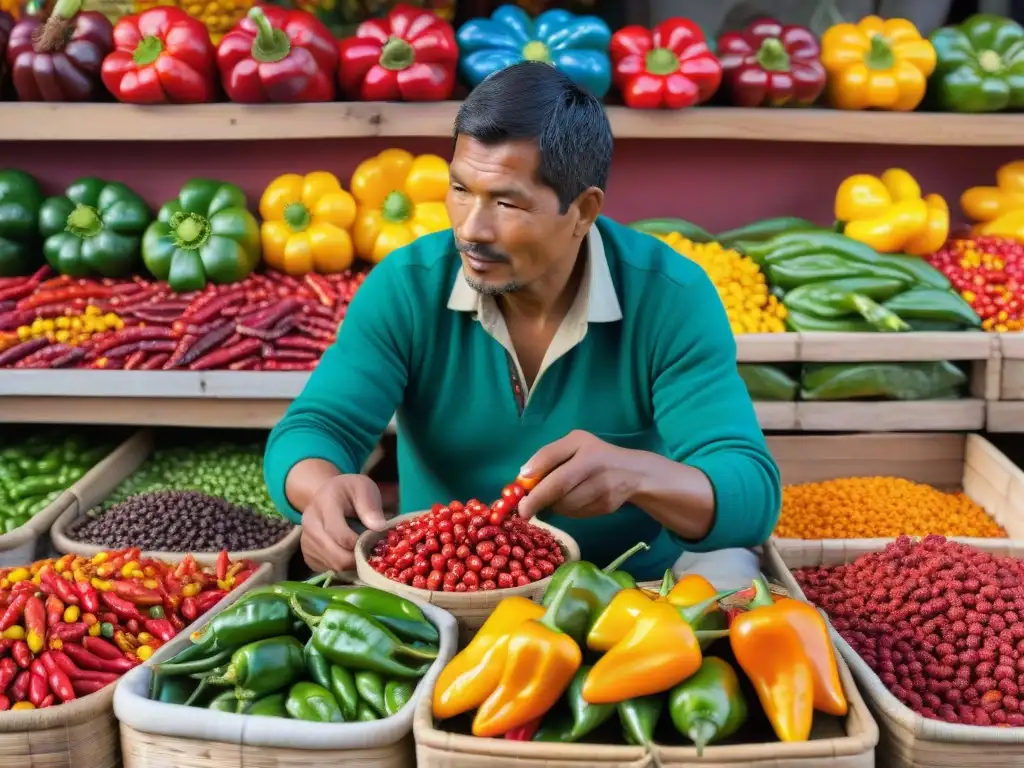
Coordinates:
column 988, row 272
column 469, row 547
column 71, row 626
column 939, row 622
column 268, row 322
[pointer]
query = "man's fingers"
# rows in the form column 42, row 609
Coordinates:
column 551, row 456
column 368, row 506
column 337, row 530
column 553, row 488
column 319, row 551
column 582, row 501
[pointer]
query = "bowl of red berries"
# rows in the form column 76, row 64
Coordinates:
column 465, row 557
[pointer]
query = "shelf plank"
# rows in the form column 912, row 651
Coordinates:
column 238, row 122
column 896, row 347
column 884, row 416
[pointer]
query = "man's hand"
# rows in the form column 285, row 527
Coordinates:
column 581, row 476
column 327, row 539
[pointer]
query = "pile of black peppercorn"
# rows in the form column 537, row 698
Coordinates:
column 179, row 521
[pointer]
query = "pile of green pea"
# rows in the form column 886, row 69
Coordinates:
column 231, row 470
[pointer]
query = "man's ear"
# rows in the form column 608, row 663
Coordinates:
column 589, row 203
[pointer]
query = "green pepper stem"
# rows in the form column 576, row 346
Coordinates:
column 535, row 50
column 271, row 44
column 396, row 55
column 618, row 562
column 762, row 595
column 397, row 207
column 199, row 665
column 668, row 581
column 84, row 221
column 147, row 51
column 880, row 57
column 298, row 218
column 692, row 613
column 701, row 732
column 319, row 579
column 311, row 620
column 661, row 62
column 53, row 35
column 990, row 61
column 772, row 56
column 548, row 619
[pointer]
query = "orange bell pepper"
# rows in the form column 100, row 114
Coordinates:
column 999, row 209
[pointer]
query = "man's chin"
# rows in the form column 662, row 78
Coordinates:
column 488, row 288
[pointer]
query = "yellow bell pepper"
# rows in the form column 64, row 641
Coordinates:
column 889, row 214
column 400, row 198
column 306, row 223
column 877, row 64
column 999, row 209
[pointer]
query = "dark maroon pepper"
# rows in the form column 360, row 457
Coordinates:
column 59, row 59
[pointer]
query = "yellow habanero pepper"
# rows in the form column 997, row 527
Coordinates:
column 877, row 64
column 400, row 198
column 889, row 214
column 999, row 209
column 306, row 223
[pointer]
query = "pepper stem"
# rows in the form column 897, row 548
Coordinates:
column 710, row 634
column 667, row 582
column 53, row 35
column 701, row 732
column 548, row 619
column 309, row 619
column 191, row 231
column 297, row 217
column 693, row 613
column 772, row 56
column 661, row 62
column 271, row 44
column 990, row 61
column 148, row 50
column 84, row 221
column 319, row 578
column 396, row 55
column 535, row 50
column 762, row 595
column 880, row 56
column 397, row 207
column 619, row 561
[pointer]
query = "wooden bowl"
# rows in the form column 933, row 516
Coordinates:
column 471, row 609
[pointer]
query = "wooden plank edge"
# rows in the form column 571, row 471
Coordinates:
column 895, row 347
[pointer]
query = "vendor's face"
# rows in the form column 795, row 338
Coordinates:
column 507, row 223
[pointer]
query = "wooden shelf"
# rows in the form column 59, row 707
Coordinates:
column 236, row 122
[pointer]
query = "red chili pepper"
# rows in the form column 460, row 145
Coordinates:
column 100, row 647
column 10, row 321
column 132, row 627
column 242, row 576
column 89, row 598
column 14, row 611
column 134, row 360
column 251, row 363
column 278, row 55
column 69, row 633
column 59, row 295
column 53, row 584
column 207, row 600
column 176, row 622
column 409, row 56
column 5, row 703
column 5, row 647
column 137, row 594
column 55, row 282
column 87, row 660
column 160, row 629
column 321, row 334
column 21, row 653
column 66, row 665
column 524, row 732
column 120, row 606
column 321, row 289
column 12, row 355
column 35, row 624
column 44, row 357
column 108, row 618
column 8, row 671
column 38, row 687
column 155, row 363
column 768, row 64
column 301, row 342
column 161, row 56
column 73, row 355
column 54, row 611
column 84, row 687
column 223, row 563
column 17, row 291
column 669, row 67
column 59, row 682
column 228, row 354
column 19, row 688
column 284, row 365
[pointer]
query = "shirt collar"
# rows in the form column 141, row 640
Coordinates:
column 597, row 290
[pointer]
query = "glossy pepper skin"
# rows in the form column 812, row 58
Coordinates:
column 540, row 664
column 876, row 64
column 20, row 200
column 255, row 618
column 273, row 705
column 999, row 210
column 472, row 675
column 409, row 55
column 889, row 213
column 668, row 67
column 980, row 65
column 161, row 56
column 313, row 703
column 59, row 59
column 399, row 197
column 280, row 56
column 771, row 65
column 709, row 706
column 574, row 45
column 584, row 717
column 639, row 718
column 205, row 234
column 306, row 224
column 94, row 228
column 263, row 667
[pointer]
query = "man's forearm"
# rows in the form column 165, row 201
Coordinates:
column 305, row 478
column 679, row 497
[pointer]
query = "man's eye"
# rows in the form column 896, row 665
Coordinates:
column 504, row 204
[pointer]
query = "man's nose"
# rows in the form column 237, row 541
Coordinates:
column 477, row 227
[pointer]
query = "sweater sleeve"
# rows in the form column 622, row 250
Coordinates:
column 706, row 419
column 353, row 393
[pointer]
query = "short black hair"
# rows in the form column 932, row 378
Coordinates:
column 533, row 100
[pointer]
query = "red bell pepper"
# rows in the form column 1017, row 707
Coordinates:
column 59, row 59
column 410, row 55
column 668, row 67
column 280, row 56
column 161, row 56
column 771, row 65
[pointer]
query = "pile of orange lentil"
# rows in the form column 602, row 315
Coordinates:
column 879, row 507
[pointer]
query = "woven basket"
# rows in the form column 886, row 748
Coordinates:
column 907, row 740
column 470, row 609
column 83, row 733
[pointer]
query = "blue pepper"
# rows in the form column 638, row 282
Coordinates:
column 575, row 45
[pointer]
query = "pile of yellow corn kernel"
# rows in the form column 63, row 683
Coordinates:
column 218, row 16
column 71, row 330
column 741, row 285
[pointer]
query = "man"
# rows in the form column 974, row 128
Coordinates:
column 534, row 336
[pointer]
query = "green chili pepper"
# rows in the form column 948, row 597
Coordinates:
column 668, row 226
column 350, row 638
column 933, row 304
column 317, row 666
column 923, row 273
column 263, row 667
column 764, row 229
column 639, row 717
column 312, row 702
column 245, row 622
column 35, row 485
column 183, row 666
column 343, row 686
column 14, row 522
column 800, row 270
column 269, row 706
column 709, row 706
column 224, row 702
column 365, row 713
column 174, row 690
column 397, row 694
column 768, row 382
column 370, row 686
column 829, row 300
column 806, row 323
column 585, row 717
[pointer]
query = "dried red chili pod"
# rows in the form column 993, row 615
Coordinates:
column 59, row 59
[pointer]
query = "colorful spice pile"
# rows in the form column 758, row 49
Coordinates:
column 740, row 283
column 988, row 272
column 299, row 650
column 939, row 622
column 879, row 507
column 269, row 322
column 71, row 625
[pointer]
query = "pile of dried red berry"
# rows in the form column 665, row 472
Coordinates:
column 469, row 547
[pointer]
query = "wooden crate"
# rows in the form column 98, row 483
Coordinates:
column 947, row 461
column 1006, row 409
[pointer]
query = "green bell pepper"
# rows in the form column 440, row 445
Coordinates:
column 20, row 200
column 709, row 706
column 206, row 234
column 312, row 702
column 95, row 228
column 574, row 45
column 979, row 65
